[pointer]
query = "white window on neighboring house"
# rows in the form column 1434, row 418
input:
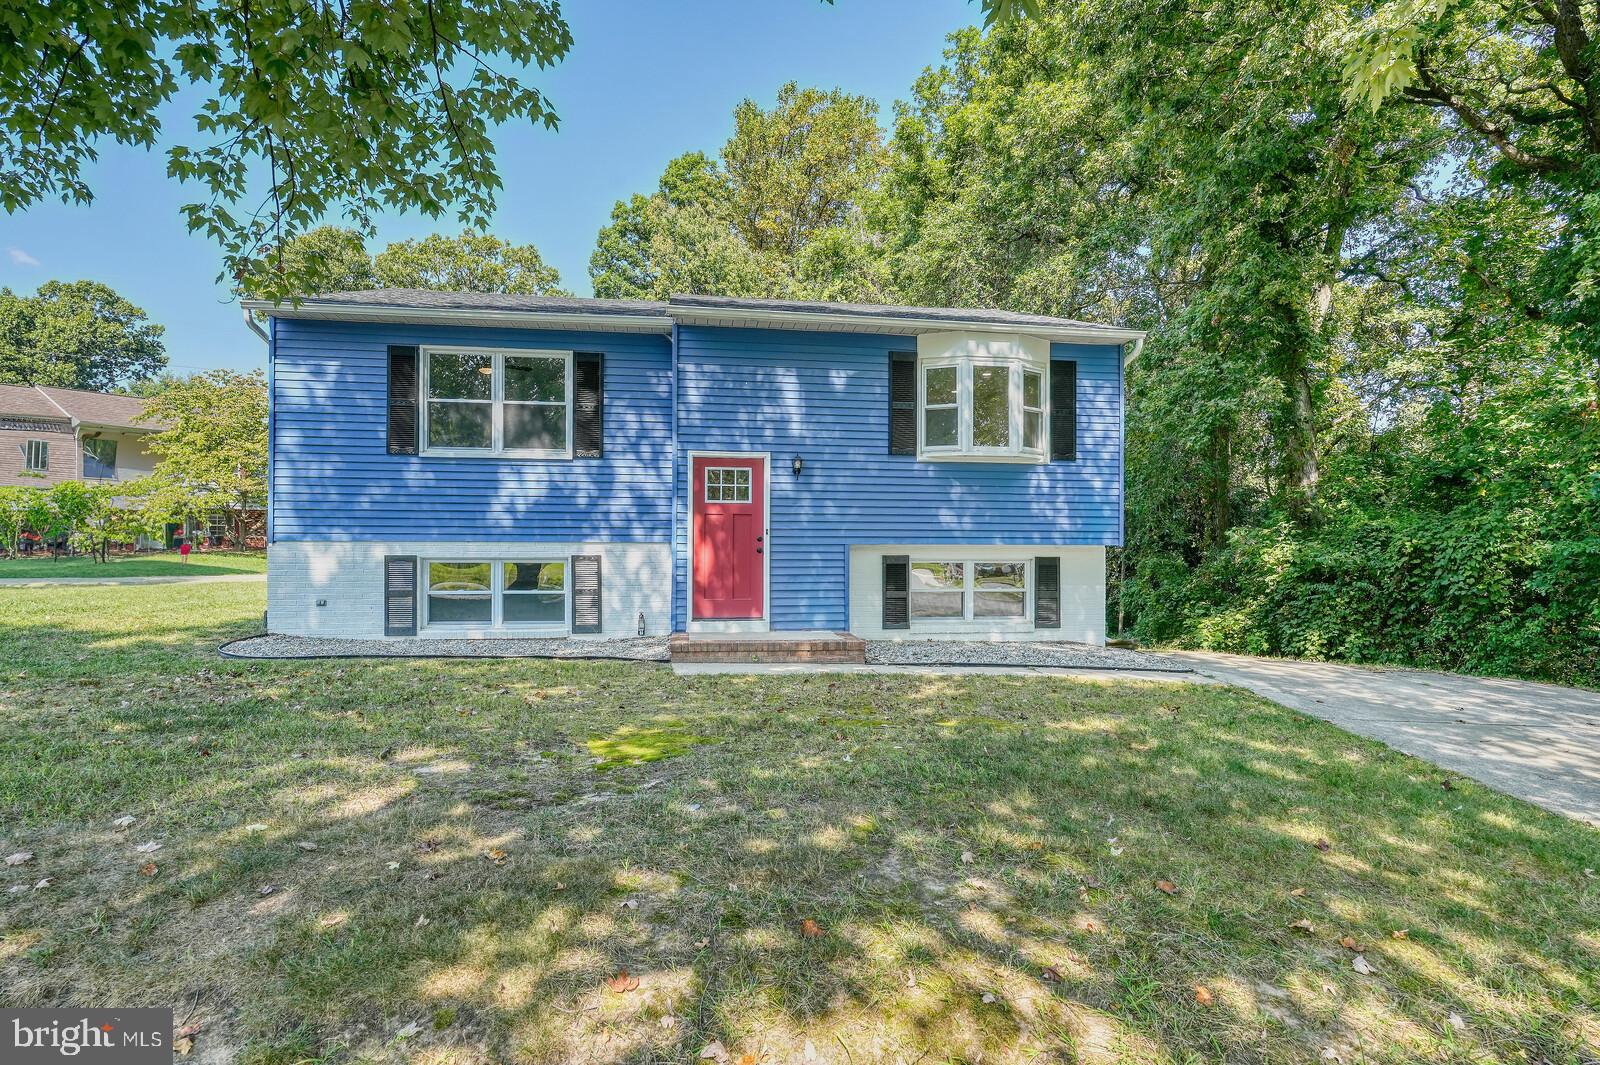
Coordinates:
column 36, row 456
column 497, row 402
column 968, row 590
column 99, row 457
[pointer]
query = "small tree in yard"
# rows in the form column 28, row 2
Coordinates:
column 17, row 503
column 215, row 445
column 121, row 513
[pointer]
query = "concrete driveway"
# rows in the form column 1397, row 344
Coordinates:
column 1540, row 742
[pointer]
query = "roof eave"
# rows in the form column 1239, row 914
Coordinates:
column 367, row 312
column 895, row 324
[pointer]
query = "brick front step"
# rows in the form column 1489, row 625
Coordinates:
column 831, row 648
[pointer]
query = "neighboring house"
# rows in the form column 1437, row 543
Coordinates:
column 459, row 464
column 49, row 435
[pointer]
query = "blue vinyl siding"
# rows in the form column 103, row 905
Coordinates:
column 332, row 477
column 825, row 397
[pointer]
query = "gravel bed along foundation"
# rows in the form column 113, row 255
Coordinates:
column 636, row 649
column 1014, row 653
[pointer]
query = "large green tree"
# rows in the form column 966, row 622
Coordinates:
column 308, row 109
column 77, row 334
column 212, row 445
column 334, row 259
column 778, row 213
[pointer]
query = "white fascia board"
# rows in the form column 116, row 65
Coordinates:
column 361, row 312
column 858, row 323
column 714, row 316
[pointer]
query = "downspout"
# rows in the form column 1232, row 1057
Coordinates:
column 672, row 601
column 255, row 327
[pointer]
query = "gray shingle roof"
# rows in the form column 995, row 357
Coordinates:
column 486, row 301
column 27, row 401
column 99, row 408
column 881, row 310
column 918, row 319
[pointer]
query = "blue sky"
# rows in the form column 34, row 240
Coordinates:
column 645, row 80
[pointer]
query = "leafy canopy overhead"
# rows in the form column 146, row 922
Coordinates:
column 312, row 109
column 76, row 334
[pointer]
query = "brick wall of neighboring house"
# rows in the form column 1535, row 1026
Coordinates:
column 15, row 432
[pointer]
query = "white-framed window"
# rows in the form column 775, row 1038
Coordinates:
column 981, row 407
column 477, row 594
column 488, row 401
column 727, row 484
column 99, row 457
column 36, row 456
column 969, row 590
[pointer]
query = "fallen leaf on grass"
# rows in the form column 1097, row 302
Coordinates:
column 392, row 866
column 629, row 904
column 1458, row 1022
column 123, row 822
column 147, row 869
column 1166, row 887
column 257, row 827
column 495, row 855
column 988, row 996
column 714, row 1051
column 1349, row 943
column 1202, row 996
column 421, row 920
column 306, row 845
column 1400, row 933
column 1303, row 925
column 1323, row 845
column 408, row 1031
column 266, row 889
column 810, row 929
column 1051, row 974
column 19, row 857
column 148, row 847
column 1359, row 964
column 623, row 982
column 1297, row 893
column 967, row 857
column 809, row 1051
column 183, row 1046
column 1092, row 883
column 749, row 1059
column 46, row 882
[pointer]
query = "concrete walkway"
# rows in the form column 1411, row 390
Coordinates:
column 61, row 582
column 1539, row 742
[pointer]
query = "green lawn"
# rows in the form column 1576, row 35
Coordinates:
column 882, row 869
column 153, row 564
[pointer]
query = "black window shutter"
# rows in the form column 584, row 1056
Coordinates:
column 588, row 403
column 902, row 403
column 896, row 592
column 402, row 400
column 1063, row 409
column 399, row 595
column 1047, row 593
column 585, row 593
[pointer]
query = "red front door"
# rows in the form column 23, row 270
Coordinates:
column 729, row 537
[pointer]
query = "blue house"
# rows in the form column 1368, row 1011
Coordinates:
column 477, row 465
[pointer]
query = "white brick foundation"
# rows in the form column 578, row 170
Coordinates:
column 347, row 577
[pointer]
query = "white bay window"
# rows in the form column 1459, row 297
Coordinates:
column 982, row 399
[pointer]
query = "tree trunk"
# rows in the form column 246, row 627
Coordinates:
column 1217, row 490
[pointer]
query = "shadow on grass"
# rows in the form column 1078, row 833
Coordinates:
column 977, row 858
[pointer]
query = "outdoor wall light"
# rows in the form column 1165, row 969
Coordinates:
column 797, row 465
